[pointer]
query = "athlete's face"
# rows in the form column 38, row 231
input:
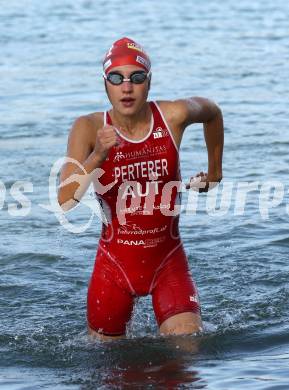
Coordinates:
column 127, row 98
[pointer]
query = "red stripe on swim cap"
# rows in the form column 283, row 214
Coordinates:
column 125, row 51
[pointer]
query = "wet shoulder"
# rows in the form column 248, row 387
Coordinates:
column 96, row 119
column 88, row 125
column 173, row 110
column 174, row 114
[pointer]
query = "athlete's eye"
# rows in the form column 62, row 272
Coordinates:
column 115, row 78
column 138, row 77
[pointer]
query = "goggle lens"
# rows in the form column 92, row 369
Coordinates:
column 115, row 78
column 138, row 78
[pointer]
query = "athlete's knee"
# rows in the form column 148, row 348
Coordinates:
column 103, row 337
column 182, row 323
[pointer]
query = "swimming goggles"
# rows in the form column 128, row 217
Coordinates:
column 137, row 77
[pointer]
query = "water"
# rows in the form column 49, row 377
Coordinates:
column 234, row 53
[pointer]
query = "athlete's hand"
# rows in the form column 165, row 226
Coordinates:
column 106, row 138
column 202, row 182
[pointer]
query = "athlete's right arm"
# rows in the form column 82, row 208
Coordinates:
column 88, row 149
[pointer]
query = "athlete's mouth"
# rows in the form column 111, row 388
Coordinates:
column 127, row 101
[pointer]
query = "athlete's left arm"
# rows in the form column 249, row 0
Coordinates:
column 184, row 112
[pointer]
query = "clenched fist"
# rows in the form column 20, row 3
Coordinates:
column 106, row 138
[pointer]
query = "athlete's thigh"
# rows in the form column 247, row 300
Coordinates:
column 109, row 305
column 174, row 290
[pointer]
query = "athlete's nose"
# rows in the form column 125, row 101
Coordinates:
column 127, row 86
